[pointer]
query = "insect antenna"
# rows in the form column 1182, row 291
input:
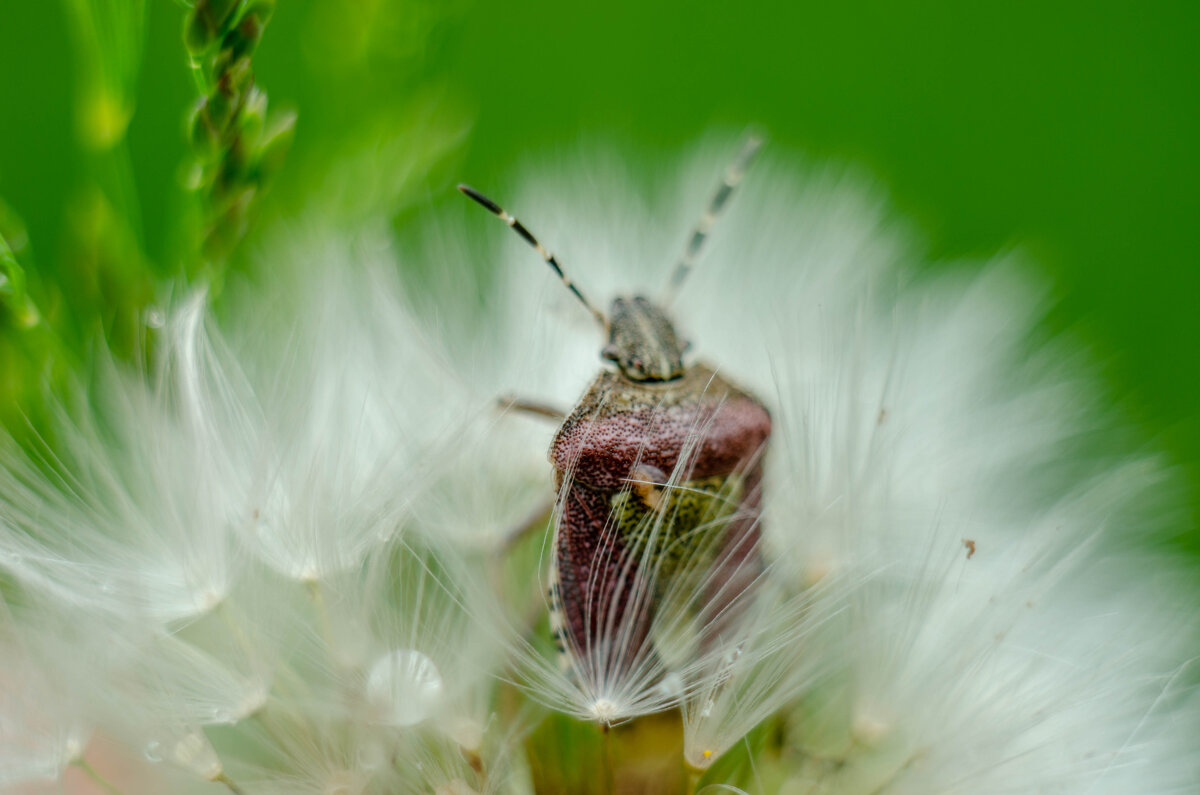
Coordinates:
column 528, row 237
column 733, row 175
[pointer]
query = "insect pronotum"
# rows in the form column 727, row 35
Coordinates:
column 658, row 471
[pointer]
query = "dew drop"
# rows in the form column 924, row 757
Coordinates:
column 193, row 752
column 220, row 716
column 671, row 687
column 73, row 748
column 869, row 728
column 405, row 686
column 370, row 756
column 155, row 317
column 153, row 751
column 194, row 178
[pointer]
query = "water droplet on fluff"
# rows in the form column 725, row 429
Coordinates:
column 405, row 686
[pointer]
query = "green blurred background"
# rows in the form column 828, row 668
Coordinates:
column 1070, row 128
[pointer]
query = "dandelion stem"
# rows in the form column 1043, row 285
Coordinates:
column 644, row 755
column 896, row 774
column 234, row 625
column 99, row 780
column 609, row 762
column 233, row 621
column 318, row 598
column 221, row 778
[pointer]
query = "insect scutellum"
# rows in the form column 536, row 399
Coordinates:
column 642, row 341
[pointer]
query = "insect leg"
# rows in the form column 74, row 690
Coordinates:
column 534, row 407
column 537, row 519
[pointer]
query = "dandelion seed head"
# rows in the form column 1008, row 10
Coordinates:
column 287, row 540
column 907, row 418
column 604, row 710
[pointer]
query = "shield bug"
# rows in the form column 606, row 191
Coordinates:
column 658, row 472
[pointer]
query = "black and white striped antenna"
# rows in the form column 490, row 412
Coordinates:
column 528, row 237
column 691, row 252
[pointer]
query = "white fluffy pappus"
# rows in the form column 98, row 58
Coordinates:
column 996, row 625
column 293, row 529
column 287, row 468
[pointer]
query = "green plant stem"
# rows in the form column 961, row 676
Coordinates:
column 230, row 785
column 99, row 780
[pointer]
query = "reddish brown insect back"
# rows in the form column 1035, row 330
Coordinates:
column 659, row 478
column 659, row 471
